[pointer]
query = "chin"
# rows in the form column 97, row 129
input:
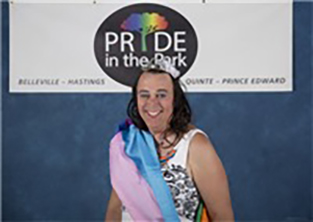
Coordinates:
column 155, row 129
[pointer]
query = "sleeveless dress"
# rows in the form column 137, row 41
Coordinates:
column 184, row 192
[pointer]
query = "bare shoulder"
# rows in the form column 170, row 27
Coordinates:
column 202, row 153
column 201, row 145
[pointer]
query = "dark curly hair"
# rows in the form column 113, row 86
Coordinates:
column 181, row 116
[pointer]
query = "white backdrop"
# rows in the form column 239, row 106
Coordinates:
column 241, row 47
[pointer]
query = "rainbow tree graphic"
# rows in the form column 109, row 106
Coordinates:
column 145, row 24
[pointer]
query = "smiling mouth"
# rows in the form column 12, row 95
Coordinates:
column 153, row 114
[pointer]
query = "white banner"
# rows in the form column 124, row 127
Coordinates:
column 228, row 47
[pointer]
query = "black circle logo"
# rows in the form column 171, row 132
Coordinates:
column 129, row 38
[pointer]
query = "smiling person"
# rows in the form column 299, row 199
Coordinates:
column 162, row 167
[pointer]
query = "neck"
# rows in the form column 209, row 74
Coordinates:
column 158, row 136
column 164, row 143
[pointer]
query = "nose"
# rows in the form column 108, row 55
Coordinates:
column 153, row 101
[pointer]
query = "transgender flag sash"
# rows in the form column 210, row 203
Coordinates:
column 136, row 176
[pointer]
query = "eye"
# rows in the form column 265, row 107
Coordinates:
column 144, row 95
column 161, row 95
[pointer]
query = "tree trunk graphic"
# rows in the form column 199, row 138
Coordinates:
column 143, row 42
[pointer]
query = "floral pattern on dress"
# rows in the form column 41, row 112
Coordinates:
column 184, row 192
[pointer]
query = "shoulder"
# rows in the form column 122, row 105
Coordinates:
column 200, row 142
column 117, row 140
column 201, row 151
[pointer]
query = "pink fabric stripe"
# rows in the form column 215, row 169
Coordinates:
column 132, row 189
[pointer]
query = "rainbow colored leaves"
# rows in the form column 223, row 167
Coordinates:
column 145, row 24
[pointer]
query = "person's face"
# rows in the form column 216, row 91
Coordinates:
column 155, row 97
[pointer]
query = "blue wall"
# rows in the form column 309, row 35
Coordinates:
column 55, row 146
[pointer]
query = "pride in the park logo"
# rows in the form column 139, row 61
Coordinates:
column 130, row 37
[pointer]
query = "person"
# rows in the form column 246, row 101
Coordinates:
column 162, row 167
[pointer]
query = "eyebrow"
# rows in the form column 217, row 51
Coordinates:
column 162, row 90
column 143, row 91
column 147, row 91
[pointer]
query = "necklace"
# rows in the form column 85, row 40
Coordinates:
column 167, row 157
column 164, row 159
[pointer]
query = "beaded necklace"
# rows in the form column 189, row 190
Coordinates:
column 164, row 159
column 167, row 157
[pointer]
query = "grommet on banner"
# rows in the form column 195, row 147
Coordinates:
column 94, row 1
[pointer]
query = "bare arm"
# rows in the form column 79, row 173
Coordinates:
column 114, row 209
column 210, row 178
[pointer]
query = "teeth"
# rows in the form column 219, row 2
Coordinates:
column 153, row 113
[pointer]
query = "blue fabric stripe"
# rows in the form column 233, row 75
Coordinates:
column 140, row 147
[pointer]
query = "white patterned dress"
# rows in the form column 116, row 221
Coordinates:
column 184, row 192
